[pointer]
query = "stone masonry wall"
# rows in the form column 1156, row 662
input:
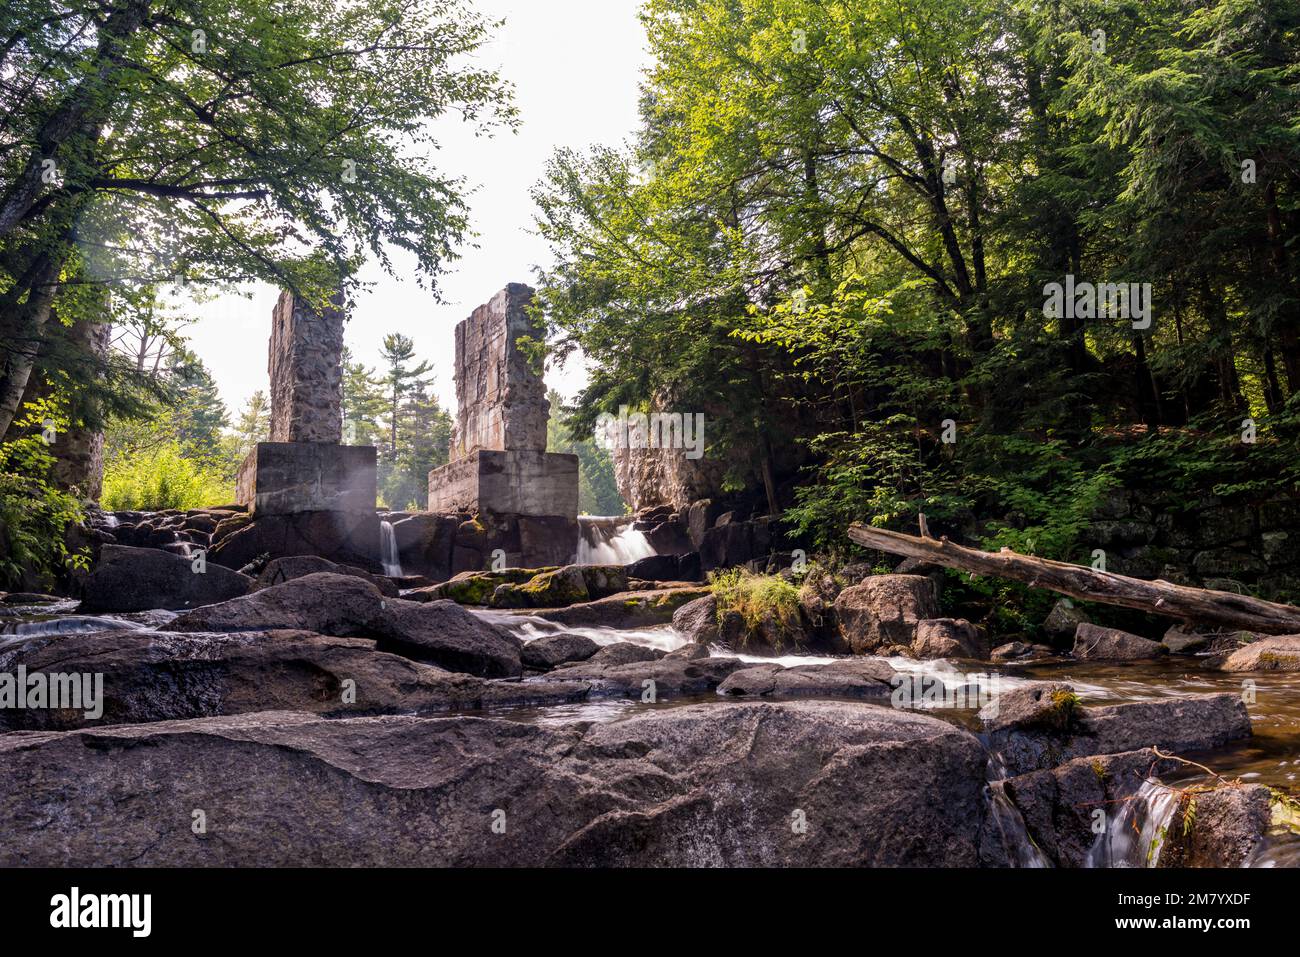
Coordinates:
column 501, row 401
column 306, row 365
column 1215, row 543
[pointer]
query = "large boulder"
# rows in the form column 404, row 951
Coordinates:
column 1274, row 653
column 949, row 638
column 329, row 604
column 348, row 538
column 813, row 784
column 1093, row 642
column 160, row 676
column 1223, row 827
column 543, row 654
column 471, row 587
column 853, row 678
column 1044, row 705
column 552, row 589
column 138, row 579
column 281, row 570
column 1059, row 806
column 1062, row 622
column 444, row 633
column 624, row 652
column 884, row 610
column 560, row 587
column 662, row 568
column 661, row 678
column 697, row 620
column 1179, row 725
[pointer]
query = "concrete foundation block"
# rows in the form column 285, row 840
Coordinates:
column 507, row 483
column 281, row 478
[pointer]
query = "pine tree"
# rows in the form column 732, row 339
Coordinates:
column 398, row 351
column 254, row 422
column 363, row 403
column 198, row 415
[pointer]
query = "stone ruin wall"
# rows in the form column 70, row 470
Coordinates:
column 306, row 366
column 501, row 400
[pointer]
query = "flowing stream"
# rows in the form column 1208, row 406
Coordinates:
column 1135, row 832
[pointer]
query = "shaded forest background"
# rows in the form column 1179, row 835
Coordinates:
column 835, row 229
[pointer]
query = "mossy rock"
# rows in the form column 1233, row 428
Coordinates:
column 553, row 589
column 603, row 580
column 477, row 588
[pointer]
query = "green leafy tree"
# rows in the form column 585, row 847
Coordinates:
column 143, row 141
column 363, row 403
column 597, row 488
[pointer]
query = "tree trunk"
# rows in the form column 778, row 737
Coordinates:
column 23, row 333
column 1195, row 605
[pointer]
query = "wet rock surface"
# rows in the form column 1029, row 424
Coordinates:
column 1223, row 827
column 545, row 653
column 1272, row 653
column 866, row 678
column 699, row 785
column 1177, row 725
column 447, row 635
column 162, row 676
column 1059, row 806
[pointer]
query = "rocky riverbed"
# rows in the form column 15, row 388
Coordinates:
column 322, row 715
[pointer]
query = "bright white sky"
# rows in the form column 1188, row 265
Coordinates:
column 576, row 65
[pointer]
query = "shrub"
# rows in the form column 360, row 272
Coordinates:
column 34, row 515
column 161, row 478
column 768, row 604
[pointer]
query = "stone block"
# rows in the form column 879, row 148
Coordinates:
column 281, row 478
column 507, row 483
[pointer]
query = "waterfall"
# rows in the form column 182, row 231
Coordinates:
column 392, row 562
column 1010, row 823
column 611, row 540
column 1135, row 835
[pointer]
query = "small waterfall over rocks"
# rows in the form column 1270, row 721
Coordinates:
column 391, row 560
column 611, row 540
column 1135, row 832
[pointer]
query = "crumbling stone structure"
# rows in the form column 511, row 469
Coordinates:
column 516, row 496
column 306, row 492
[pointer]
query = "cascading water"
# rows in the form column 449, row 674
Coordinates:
column 1010, row 823
column 1135, row 835
column 610, row 540
column 391, row 561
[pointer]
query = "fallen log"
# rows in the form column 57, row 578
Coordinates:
column 1194, row 605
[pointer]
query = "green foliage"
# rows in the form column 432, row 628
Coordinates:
column 163, row 477
column 766, row 603
column 34, row 514
column 836, row 224
column 597, row 488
